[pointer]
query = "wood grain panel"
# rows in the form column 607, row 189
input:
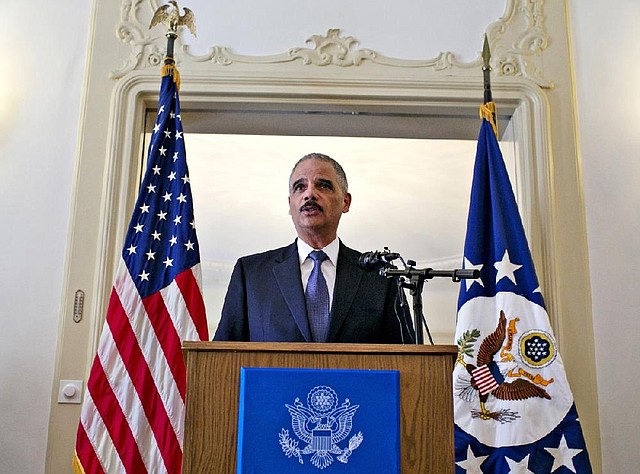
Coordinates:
column 213, row 374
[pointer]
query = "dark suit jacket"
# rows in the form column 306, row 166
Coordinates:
column 265, row 302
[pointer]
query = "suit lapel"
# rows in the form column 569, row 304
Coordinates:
column 287, row 273
column 348, row 277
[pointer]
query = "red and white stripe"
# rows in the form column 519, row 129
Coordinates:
column 133, row 414
column 484, row 379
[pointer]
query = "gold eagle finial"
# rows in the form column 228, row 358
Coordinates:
column 169, row 15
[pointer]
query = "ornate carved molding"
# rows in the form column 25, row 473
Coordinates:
column 331, row 49
column 517, row 51
column 518, row 40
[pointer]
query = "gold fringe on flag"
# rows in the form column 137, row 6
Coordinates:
column 171, row 70
column 77, row 465
column 488, row 112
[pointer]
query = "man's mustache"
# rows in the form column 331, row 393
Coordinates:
column 309, row 205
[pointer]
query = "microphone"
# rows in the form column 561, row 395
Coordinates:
column 376, row 260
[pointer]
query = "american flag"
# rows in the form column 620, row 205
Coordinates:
column 514, row 411
column 133, row 412
column 485, row 380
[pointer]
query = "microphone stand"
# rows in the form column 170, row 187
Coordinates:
column 416, row 278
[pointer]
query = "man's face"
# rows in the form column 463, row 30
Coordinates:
column 316, row 201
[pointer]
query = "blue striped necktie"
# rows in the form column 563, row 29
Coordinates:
column 317, row 296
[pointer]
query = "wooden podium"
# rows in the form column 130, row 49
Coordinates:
column 213, row 374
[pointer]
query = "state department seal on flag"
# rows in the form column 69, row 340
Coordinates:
column 322, row 424
column 507, row 371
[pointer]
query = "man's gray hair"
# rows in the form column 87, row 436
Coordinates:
column 341, row 175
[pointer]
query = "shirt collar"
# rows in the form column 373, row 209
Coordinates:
column 331, row 250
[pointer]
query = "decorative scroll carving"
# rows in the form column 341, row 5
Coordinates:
column 517, row 42
column 146, row 50
column 330, row 49
column 517, row 51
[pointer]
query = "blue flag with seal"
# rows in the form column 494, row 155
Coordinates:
column 514, row 410
column 318, row 420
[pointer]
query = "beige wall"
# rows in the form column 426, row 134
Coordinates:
column 41, row 76
column 607, row 74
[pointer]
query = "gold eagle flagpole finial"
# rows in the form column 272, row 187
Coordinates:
column 169, row 16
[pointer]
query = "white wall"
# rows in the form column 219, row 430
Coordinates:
column 40, row 91
column 607, row 69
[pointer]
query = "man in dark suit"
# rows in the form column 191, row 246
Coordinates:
column 272, row 296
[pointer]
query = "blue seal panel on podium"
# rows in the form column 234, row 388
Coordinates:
column 318, row 421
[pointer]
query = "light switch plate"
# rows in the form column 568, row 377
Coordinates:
column 70, row 391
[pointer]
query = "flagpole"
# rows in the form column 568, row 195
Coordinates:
column 488, row 108
column 486, row 70
column 171, row 39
